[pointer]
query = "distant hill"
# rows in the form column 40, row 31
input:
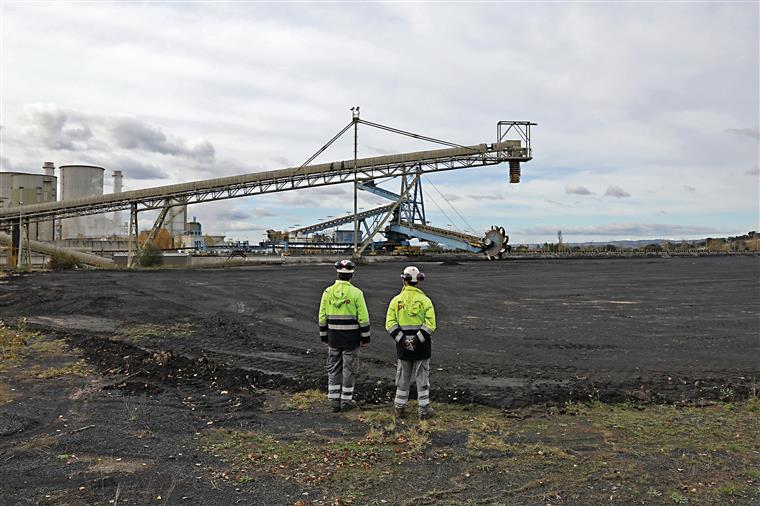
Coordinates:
column 629, row 244
column 618, row 244
column 632, row 244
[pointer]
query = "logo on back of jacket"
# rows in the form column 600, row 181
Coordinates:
column 415, row 305
column 347, row 302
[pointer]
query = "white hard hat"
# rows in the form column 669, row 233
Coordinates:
column 345, row 266
column 412, row 274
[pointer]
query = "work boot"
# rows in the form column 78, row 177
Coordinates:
column 427, row 414
column 400, row 411
column 348, row 405
column 335, row 405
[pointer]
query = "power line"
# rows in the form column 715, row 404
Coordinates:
column 451, row 205
column 453, row 223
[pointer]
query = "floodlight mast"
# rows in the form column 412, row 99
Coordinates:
column 355, row 120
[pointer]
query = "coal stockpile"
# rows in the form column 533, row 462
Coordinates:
column 509, row 334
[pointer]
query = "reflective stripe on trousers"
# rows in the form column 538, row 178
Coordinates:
column 420, row 371
column 342, row 367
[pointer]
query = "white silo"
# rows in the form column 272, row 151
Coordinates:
column 78, row 182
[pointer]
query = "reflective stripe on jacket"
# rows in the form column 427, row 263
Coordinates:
column 411, row 314
column 343, row 316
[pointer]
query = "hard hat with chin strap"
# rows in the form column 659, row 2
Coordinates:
column 412, row 275
column 345, row 266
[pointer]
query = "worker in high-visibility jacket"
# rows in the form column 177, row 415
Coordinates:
column 411, row 322
column 343, row 327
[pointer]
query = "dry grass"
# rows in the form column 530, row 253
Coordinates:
column 587, row 454
column 39, row 443
column 6, row 395
column 79, row 369
column 136, row 333
column 305, row 401
column 13, row 339
column 116, row 465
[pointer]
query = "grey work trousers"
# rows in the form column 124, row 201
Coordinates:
column 342, row 367
column 420, row 371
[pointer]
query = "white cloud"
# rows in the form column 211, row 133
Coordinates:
column 578, row 190
column 750, row 132
column 130, row 133
column 616, row 191
column 50, row 126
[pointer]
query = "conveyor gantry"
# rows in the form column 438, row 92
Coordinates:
column 450, row 238
column 257, row 183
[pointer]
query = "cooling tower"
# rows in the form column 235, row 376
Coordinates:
column 77, row 182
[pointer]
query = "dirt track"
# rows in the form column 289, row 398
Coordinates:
column 510, row 333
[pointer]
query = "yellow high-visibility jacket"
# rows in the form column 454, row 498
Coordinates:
column 411, row 315
column 343, row 316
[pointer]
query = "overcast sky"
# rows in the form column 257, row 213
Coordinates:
column 648, row 113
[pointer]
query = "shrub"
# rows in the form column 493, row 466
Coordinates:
column 151, row 256
column 62, row 262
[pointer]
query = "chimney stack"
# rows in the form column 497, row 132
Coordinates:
column 117, row 188
column 49, row 168
column 117, row 180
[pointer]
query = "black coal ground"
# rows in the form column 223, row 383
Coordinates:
column 180, row 352
column 510, row 334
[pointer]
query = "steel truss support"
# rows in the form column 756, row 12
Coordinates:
column 381, row 223
column 364, row 215
column 413, row 208
column 132, row 244
column 157, row 225
column 160, row 219
column 25, row 252
column 368, row 228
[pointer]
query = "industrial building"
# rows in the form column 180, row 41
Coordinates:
column 21, row 188
column 77, row 181
column 101, row 233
